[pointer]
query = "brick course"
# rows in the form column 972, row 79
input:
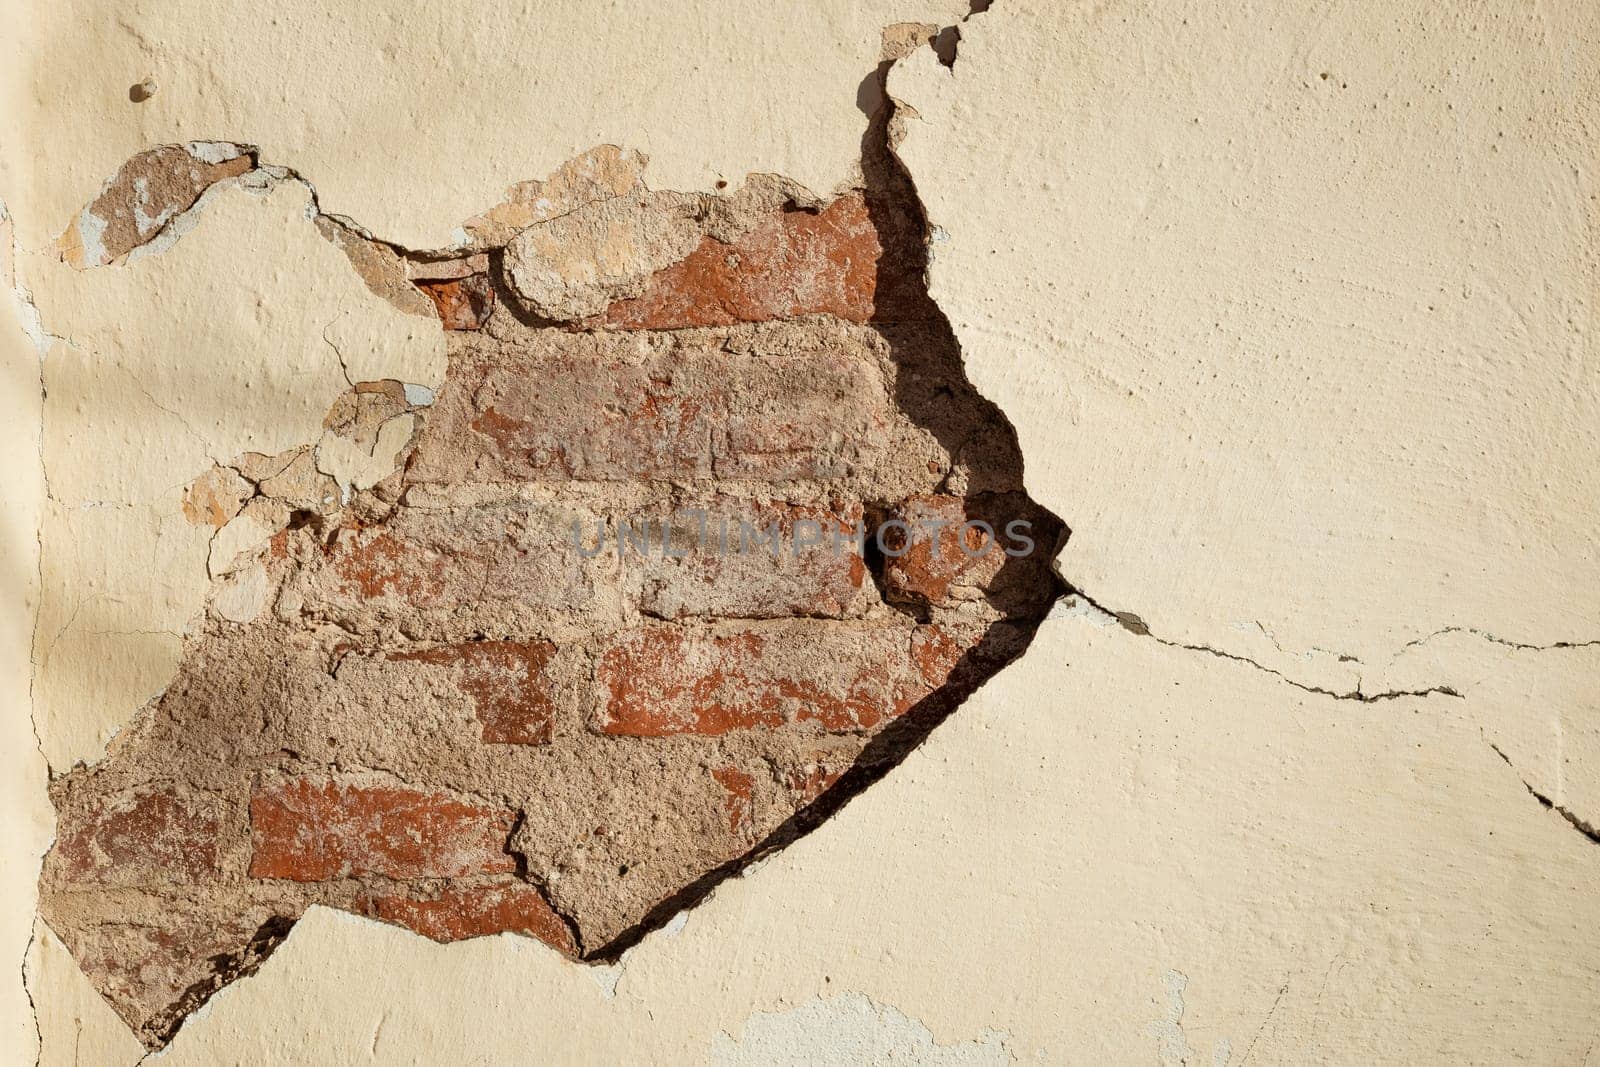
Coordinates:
column 317, row 829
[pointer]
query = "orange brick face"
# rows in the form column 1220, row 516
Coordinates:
column 477, row 910
column 938, row 550
column 319, row 829
column 463, row 303
column 662, row 681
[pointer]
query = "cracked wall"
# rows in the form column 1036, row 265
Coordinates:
column 443, row 678
column 1300, row 344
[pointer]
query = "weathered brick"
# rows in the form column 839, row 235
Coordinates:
column 795, row 263
column 316, row 829
column 144, row 836
column 666, row 680
column 610, row 423
column 741, row 558
column 459, row 563
column 936, row 651
column 463, row 303
column 154, row 968
column 740, row 789
column 461, row 911
column 936, row 552
column 379, row 563
column 511, row 691
column 600, row 407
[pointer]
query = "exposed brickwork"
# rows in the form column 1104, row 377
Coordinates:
column 478, row 909
column 447, row 573
column 662, row 681
column 319, row 829
column 511, row 692
column 609, row 408
column 606, row 628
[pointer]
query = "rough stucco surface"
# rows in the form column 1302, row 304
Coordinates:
column 1293, row 315
column 1302, row 343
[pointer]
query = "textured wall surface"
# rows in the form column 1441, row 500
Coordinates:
column 1291, row 312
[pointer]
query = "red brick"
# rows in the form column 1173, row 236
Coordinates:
column 740, row 789
column 317, row 829
column 463, row 303
column 934, row 559
column 507, row 681
column 607, row 423
column 463, row 911
column 662, row 681
column 455, row 562
column 722, row 572
column 794, row 263
column 139, row 837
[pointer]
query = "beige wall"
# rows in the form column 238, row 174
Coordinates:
column 1293, row 309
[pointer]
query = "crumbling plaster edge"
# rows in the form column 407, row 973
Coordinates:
column 1078, row 604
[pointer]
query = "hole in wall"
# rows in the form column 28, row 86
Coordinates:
column 662, row 583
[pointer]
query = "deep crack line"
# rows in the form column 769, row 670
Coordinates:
column 1135, row 625
column 1577, row 822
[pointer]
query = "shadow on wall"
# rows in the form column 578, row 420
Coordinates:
column 434, row 708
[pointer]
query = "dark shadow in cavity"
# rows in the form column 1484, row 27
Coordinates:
column 932, row 388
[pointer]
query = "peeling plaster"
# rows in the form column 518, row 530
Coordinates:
column 1329, row 704
column 738, row 88
column 125, row 581
column 847, row 397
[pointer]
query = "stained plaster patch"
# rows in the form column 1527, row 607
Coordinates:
column 846, row 1030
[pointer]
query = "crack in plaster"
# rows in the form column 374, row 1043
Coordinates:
column 1135, row 625
column 1077, row 604
column 1573, row 819
column 669, row 914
